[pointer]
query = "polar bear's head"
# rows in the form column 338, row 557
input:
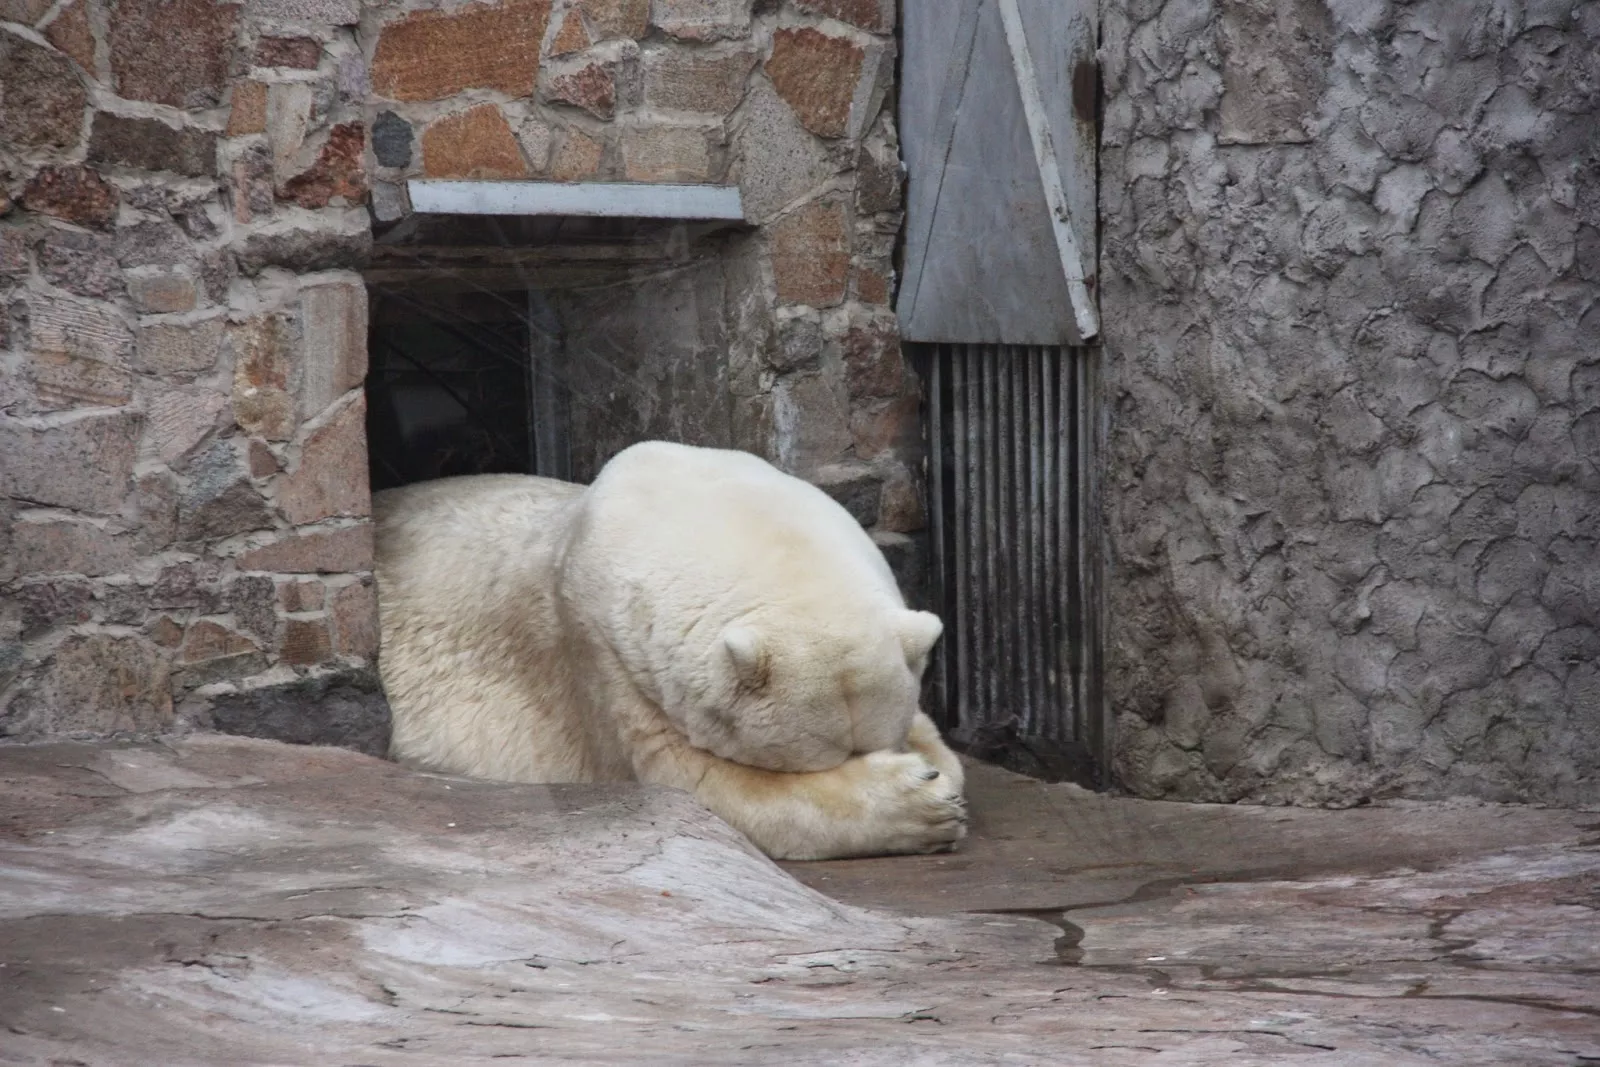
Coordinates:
column 807, row 700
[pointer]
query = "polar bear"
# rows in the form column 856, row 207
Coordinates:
column 694, row 618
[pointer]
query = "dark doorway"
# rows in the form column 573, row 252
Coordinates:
column 448, row 389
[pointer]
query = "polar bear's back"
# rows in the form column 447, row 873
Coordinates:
column 735, row 513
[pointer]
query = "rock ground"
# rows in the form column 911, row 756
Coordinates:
column 227, row 900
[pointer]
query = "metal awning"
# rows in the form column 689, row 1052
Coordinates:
column 620, row 200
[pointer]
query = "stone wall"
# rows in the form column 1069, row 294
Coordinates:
column 1351, row 261
column 780, row 341
column 187, row 190
column 183, row 502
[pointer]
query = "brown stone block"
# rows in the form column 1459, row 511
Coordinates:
column 873, row 365
column 26, row 12
column 476, row 143
column 875, row 16
column 617, row 18
column 334, row 344
column 52, row 605
column 235, row 509
column 317, row 12
column 86, row 464
column 151, row 144
column 179, row 348
column 191, row 584
column 811, row 422
column 878, row 177
column 261, row 460
column 172, row 52
column 305, row 642
column 355, row 620
column 62, row 380
column 430, row 55
column 262, row 358
column 41, row 96
column 222, row 668
column 571, row 37
column 109, row 684
column 319, row 552
column 219, row 500
column 249, row 110
column 666, row 154
column 692, row 79
column 702, row 20
column 166, row 632
column 70, row 31
column 252, row 192
column 811, row 254
column 81, row 263
column 155, row 501
column 886, row 426
column 76, row 327
column 162, row 292
column 331, row 477
column 253, row 599
column 577, row 158
column 817, row 75
column 176, row 421
column 69, row 547
column 14, row 244
column 212, row 640
column 306, row 249
column 297, row 53
column 153, row 243
column 337, row 172
column 900, row 508
column 300, row 596
column 592, row 88
column 872, row 286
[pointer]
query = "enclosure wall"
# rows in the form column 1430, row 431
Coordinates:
column 187, row 190
column 1351, row 261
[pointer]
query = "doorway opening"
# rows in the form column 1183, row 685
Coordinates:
column 543, row 345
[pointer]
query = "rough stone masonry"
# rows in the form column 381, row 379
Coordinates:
column 187, row 194
column 1351, row 262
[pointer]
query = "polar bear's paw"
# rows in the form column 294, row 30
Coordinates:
column 912, row 807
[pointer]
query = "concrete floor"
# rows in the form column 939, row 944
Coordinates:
column 221, row 900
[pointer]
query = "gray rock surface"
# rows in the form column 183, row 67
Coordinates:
column 223, row 900
column 1352, row 341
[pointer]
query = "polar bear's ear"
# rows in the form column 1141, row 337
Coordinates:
column 918, row 631
column 748, row 653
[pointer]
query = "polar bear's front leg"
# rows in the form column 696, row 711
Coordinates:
column 882, row 803
column 925, row 741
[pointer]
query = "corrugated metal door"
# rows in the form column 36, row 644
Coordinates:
column 997, row 115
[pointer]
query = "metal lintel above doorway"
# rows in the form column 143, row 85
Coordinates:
column 634, row 200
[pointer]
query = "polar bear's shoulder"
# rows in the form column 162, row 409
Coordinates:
column 472, row 510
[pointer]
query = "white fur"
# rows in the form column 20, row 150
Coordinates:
column 694, row 618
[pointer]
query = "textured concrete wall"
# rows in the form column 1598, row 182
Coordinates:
column 1351, row 261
